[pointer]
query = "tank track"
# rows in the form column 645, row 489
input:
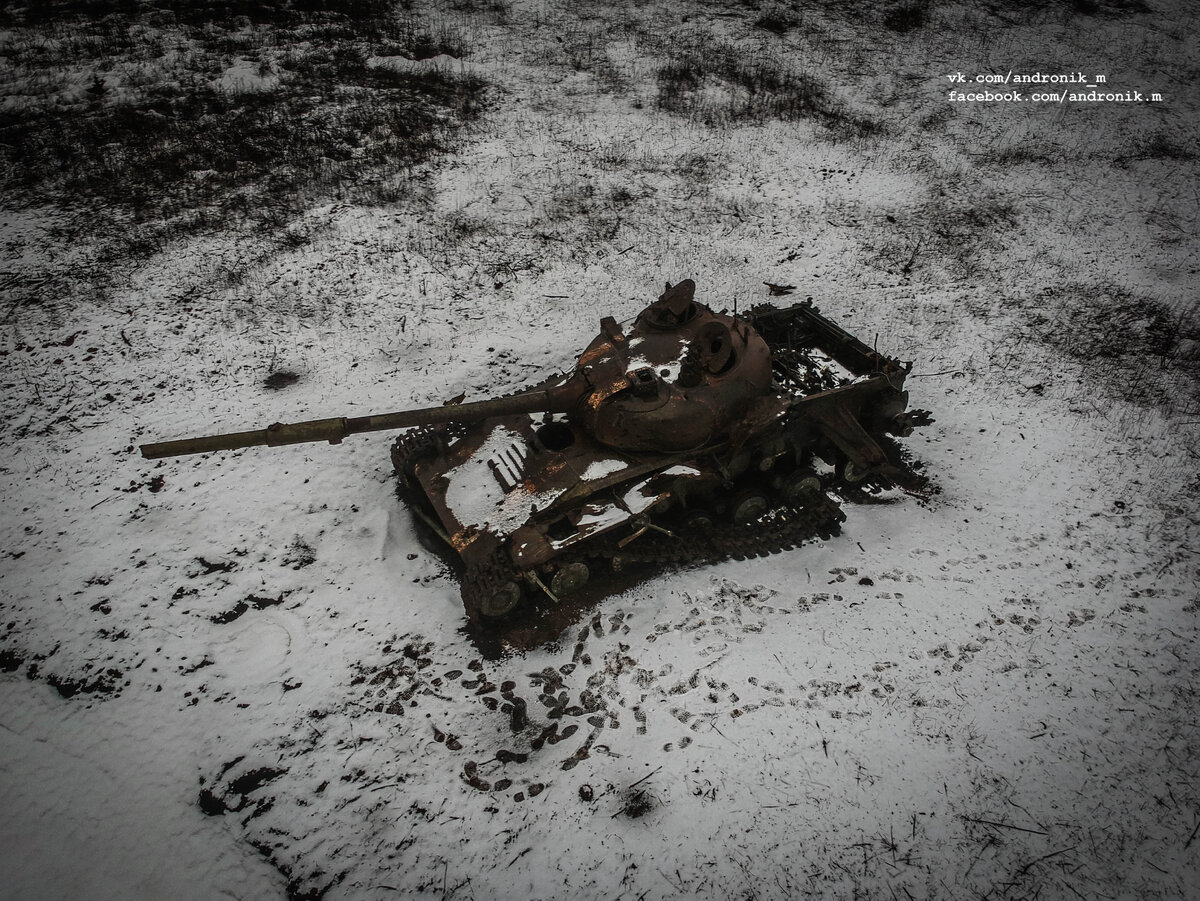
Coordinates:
column 781, row 529
column 412, row 446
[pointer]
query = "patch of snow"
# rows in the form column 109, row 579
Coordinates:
column 598, row 469
column 596, row 518
column 245, row 76
column 475, row 496
column 840, row 373
column 599, row 517
column 442, row 62
column 681, row 470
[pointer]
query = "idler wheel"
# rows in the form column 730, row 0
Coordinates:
column 749, row 507
column 408, row 451
column 502, row 600
column 698, row 520
column 570, row 579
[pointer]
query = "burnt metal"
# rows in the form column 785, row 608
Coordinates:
column 684, row 437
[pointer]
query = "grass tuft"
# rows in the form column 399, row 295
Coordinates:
column 1134, row 347
column 906, row 17
column 718, row 81
column 1159, row 145
column 1109, row 8
column 777, row 21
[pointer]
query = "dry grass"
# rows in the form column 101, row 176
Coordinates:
column 134, row 106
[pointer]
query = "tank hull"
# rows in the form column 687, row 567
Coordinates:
column 534, row 506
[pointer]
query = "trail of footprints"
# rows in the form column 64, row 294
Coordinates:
column 558, row 716
column 550, row 707
column 548, row 710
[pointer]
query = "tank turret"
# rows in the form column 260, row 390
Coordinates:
column 680, row 380
column 683, row 436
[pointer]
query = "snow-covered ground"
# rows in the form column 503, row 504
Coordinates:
column 240, row 675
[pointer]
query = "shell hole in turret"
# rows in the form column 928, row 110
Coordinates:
column 555, row 436
column 715, row 347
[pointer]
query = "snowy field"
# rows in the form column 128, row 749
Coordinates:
column 241, row 676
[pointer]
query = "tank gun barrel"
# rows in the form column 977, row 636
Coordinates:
column 559, row 399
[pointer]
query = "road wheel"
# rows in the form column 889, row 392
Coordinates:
column 749, row 507
column 799, row 486
column 503, row 600
column 570, row 579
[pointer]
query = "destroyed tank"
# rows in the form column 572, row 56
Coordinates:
column 681, row 438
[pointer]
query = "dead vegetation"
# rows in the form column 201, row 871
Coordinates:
column 1131, row 346
column 718, row 82
column 215, row 112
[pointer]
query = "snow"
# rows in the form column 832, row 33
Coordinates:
column 598, row 469
column 666, row 366
column 598, row 518
column 436, row 63
column 475, row 495
column 245, row 75
column 681, row 470
column 988, row 694
column 840, row 374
